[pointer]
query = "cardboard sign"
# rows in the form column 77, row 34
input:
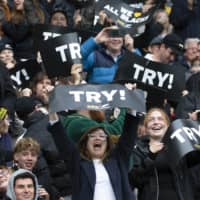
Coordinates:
column 149, row 74
column 182, row 139
column 60, row 53
column 124, row 15
column 43, row 32
column 95, row 97
column 23, row 73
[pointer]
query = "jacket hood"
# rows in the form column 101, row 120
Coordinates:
column 10, row 189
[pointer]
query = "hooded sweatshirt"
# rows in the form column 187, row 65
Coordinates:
column 10, row 189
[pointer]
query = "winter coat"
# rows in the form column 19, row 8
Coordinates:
column 155, row 179
column 116, row 164
column 7, row 92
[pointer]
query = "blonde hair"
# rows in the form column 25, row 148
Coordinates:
column 27, row 144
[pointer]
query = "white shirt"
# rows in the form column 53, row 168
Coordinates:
column 103, row 185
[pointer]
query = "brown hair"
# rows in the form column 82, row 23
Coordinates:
column 147, row 116
column 82, row 145
column 40, row 76
column 27, row 144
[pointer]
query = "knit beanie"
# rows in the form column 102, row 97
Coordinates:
column 3, row 113
column 77, row 125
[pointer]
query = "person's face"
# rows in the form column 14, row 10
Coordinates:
column 26, row 159
column 41, row 89
column 97, row 144
column 162, row 18
column 24, row 189
column 4, row 177
column 166, row 54
column 4, row 125
column 7, row 56
column 114, row 45
column 191, row 52
column 19, row 4
column 156, row 125
column 59, row 19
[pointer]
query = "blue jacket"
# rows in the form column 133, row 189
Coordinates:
column 99, row 65
column 116, row 164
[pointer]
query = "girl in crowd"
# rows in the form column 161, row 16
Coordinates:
column 151, row 173
column 97, row 169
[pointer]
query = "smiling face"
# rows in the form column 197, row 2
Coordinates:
column 156, row 123
column 26, row 159
column 114, row 44
column 24, row 189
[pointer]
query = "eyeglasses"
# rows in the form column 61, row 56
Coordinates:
column 95, row 136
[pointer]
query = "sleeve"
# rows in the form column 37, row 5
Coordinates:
column 87, row 52
column 115, row 127
column 128, row 137
column 143, row 165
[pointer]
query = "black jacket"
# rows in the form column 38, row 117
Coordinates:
column 7, row 92
column 154, row 178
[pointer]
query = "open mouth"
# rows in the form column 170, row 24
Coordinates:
column 97, row 146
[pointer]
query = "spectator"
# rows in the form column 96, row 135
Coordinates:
column 7, row 92
column 162, row 17
column 102, row 54
column 5, row 173
column 40, row 86
column 59, row 17
column 185, row 17
column 5, row 15
column 24, row 185
column 167, row 50
column 189, row 105
column 36, row 122
column 7, row 56
column 26, row 153
column 18, row 28
column 95, row 158
column 5, row 138
column 190, row 54
column 151, row 173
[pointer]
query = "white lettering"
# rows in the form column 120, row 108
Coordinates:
column 77, row 95
column 149, row 75
column 108, row 95
column 93, row 96
column 176, row 134
column 16, row 78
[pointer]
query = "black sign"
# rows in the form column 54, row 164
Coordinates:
column 95, row 97
column 23, row 72
column 182, row 140
column 60, row 53
column 124, row 15
column 43, row 32
column 151, row 74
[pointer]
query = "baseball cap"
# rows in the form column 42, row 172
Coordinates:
column 174, row 42
column 6, row 46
